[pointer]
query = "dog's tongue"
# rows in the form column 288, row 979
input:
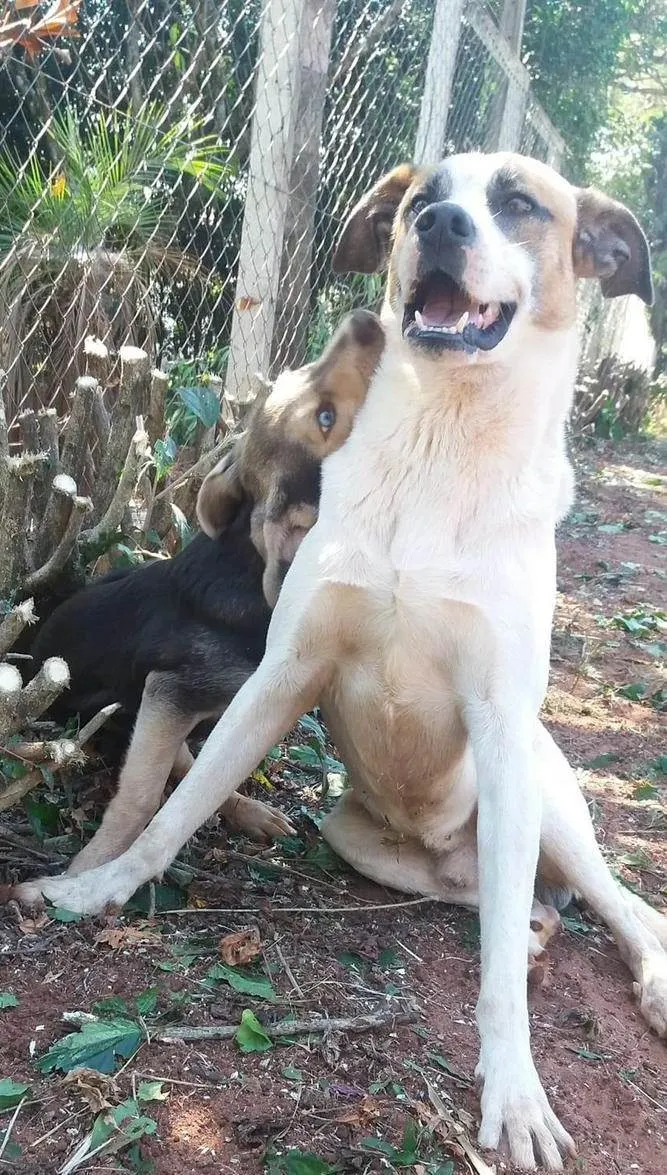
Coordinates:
column 443, row 308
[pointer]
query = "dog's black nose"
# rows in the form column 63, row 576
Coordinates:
column 445, row 223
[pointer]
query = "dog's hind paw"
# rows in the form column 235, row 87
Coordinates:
column 260, row 821
column 515, row 1106
column 651, row 991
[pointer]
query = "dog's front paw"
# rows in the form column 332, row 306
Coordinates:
column 651, row 991
column 87, row 893
column 260, row 821
column 515, row 1105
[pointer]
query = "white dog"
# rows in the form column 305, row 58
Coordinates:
column 418, row 610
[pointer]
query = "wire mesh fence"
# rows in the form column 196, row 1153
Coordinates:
column 173, row 173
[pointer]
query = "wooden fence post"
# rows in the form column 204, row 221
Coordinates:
column 440, row 69
column 267, row 198
column 290, row 334
column 509, row 104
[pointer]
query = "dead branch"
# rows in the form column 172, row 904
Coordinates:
column 29, row 431
column 47, row 684
column 57, row 751
column 47, row 426
column 323, row 1024
column 16, row 789
column 14, row 623
column 96, row 357
column 21, row 472
column 73, row 449
column 49, row 570
column 133, row 394
column 10, row 692
column 63, row 752
column 112, row 519
column 155, row 416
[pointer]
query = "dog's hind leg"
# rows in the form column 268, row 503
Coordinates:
column 404, row 863
column 568, row 842
column 157, row 742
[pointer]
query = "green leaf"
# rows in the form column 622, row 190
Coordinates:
column 646, row 791
column 151, row 1091
column 635, row 691
column 43, row 817
column 146, row 1001
column 292, row 1074
column 601, row 761
column 113, row 1005
column 60, row 915
column 96, row 1046
column 8, row 1000
column 242, row 980
column 612, row 527
column 126, row 1118
column 379, row 1144
column 296, row 1162
column 202, row 403
column 11, row 1092
column 167, row 897
column 250, row 1036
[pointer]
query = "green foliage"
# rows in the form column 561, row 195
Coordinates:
column 11, row 1092
column 242, row 980
column 113, row 184
column 575, row 52
column 298, row 1162
column 100, row 1045
column 8, row 1000
column 251, row 1037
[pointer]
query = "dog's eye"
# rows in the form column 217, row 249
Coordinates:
column 326, row 418
column 419, row 204
column 518, row 204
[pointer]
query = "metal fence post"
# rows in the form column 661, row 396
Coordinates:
column 439, row 80
column 265, row 213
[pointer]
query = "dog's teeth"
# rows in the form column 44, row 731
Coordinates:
column 463, row 321
column 419, row 320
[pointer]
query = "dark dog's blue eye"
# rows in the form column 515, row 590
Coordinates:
column 419, row 204
column 326, row 418
column 519, row 205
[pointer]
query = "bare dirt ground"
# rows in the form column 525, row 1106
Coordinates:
column 401, row 1096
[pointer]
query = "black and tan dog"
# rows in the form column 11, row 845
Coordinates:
column 174, row 640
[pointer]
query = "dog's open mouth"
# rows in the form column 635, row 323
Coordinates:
column 442, row 315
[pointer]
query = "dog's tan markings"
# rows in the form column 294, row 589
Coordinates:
column 549, row 242
column 366, row 238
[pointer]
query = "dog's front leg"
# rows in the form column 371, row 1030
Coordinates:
column 513, row 1101
column 269, row 703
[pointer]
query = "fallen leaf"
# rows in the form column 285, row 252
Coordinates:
column 247, row 302
column 240, row 947
column 117, row 937
column 99, row 1090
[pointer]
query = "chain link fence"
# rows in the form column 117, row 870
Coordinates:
column 173, row 173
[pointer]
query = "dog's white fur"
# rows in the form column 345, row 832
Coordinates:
column 418, row 611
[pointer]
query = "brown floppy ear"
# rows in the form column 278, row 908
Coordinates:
column 610, row 244
column 221, row 495
column 363, row 246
